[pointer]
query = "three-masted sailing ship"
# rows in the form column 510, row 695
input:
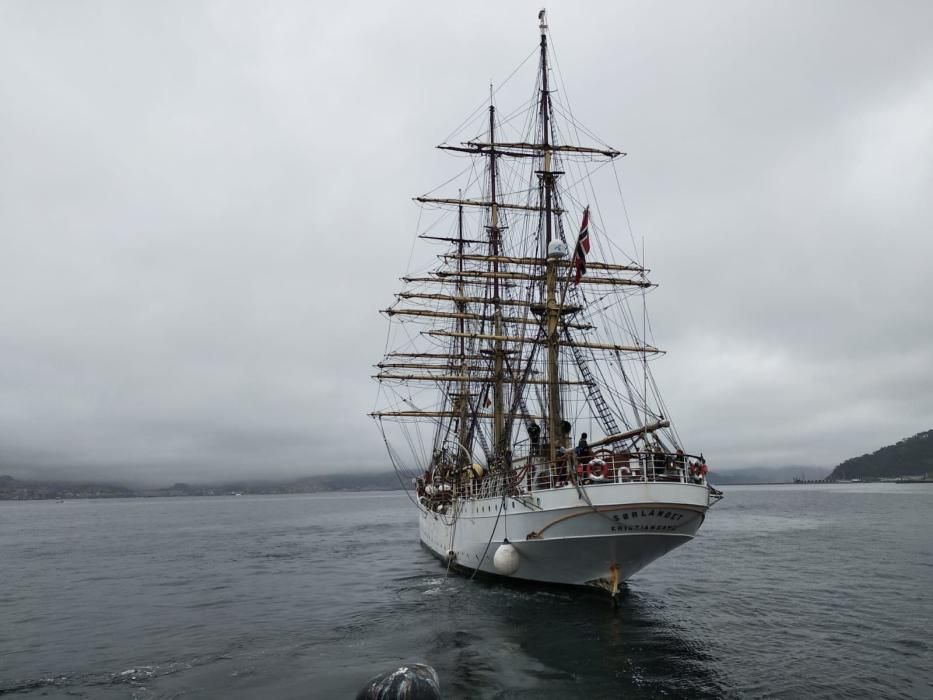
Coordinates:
column 517, row 396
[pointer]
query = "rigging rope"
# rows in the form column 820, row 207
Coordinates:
column 502, row 507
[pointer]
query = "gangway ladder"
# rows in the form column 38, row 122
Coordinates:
column 481, row 437
column 604, row 414
column 482, row 442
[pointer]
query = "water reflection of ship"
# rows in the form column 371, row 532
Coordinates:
column 658, row 657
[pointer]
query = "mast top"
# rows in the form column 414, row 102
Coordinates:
column 542, row 20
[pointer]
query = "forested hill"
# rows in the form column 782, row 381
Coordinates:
column 911, row 456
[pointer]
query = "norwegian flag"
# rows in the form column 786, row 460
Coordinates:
column 583, row 246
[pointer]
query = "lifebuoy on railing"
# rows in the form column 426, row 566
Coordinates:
column 597, row 470
column 698, row 471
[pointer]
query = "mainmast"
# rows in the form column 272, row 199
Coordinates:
column 499, row 446
column 552, row 308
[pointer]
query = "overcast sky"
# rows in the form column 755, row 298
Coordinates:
column 203, row 206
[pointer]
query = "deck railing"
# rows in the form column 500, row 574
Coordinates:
column 531, row 474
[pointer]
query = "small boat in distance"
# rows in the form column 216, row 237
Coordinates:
column 517, row 394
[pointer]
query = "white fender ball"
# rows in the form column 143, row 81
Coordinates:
column 506, row 559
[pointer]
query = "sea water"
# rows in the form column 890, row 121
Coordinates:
column 788, row 591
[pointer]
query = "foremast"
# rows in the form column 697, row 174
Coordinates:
column 500, row 448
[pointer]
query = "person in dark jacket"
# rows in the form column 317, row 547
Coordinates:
column 534, row 438
column 583, row 449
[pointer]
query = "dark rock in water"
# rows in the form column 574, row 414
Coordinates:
column 412, row 682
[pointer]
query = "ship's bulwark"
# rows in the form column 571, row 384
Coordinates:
column 563, row 539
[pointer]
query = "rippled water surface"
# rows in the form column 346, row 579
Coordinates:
column 789, row 591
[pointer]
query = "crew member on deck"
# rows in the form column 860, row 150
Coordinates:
column 658, row 461
column 583, row 448
column 534, row 438
column 680, row 463
column 562, row 472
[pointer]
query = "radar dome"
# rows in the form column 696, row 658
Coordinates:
column 557, row 249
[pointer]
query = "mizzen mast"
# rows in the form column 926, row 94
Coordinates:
column 498, row 432
column 462, row 396
column 552, row 308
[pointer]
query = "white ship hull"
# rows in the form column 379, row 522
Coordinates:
column 563, row 539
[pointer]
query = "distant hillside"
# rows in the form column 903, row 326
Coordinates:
column 911, row 456
column 17, row 489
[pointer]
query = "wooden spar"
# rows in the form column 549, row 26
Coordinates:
column 632, row 433
column 524, row 276
column 418, row 365
column 427, row 365
column 479, row 203
column 440, row 355
column 440, row 414
column 479, row 379
column 454, row 277
column 543, row 341
column 647, row 349
column 463, row 299
column 449, row 240
column 442, row 276
column 590, row 265
column 426, row 313
column 539, row 148
column 499, row 151
column 484, row 274
column 535, row 306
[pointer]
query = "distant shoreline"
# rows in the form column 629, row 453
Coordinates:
column 33, row 490
column 92, row 497
column 143, row 496
column 14, row 490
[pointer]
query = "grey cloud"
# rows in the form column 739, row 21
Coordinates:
column 203, row 205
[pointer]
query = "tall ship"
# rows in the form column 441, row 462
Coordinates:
column 516, row 395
